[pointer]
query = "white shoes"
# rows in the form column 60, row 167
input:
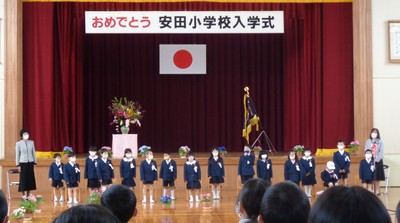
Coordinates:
column 197, row 199
column 76, row 201
column 61, row 199
column 69, row 201
column 144, row 200
column 191, row 199
column 55, row 199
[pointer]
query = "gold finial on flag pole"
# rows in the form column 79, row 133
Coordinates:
column 246, row 89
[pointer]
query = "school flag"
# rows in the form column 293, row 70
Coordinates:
column 250, row 117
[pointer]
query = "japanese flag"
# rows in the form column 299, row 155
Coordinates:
column 183, row 59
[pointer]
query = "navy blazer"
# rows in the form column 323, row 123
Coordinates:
column 72, row 173
column 214, row 168
column 262, row 171
column 91, row 168
column 290, row 171
column 55, row 173
column 328, row 177
column 146, row 171
column 189, row 175
column 365, row 170
column 244, row 168
column 305, row 167
column 125, row 169
column 342, row 162
column 105, row 170
column 165, row 171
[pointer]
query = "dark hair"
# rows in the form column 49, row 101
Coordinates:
column 211, row 155
column 190, row 153
column 262, row 152
column 295, row 155
column 127, row 150
column 120, row 200
column 285, row 202
column 340, row 140
column 250, row 196
column 307, row 149
column 368, row 150
column 86, row 213
column 71, row 154
column 3, row 206
column 93, row 148
column 398, row 212
column 56, row 155
column 103, row 151
column 21, row 133
column 348, row 204
column 248, row 145
column 377, row 131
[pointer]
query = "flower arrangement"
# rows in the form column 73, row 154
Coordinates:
column 257, row 149
column 166, row 201
column 298, row 148
column 30, row 204
column 143, row 149
column 67, row 150
column 95, row 197
column 109, row 150
column 18, row 213
column 354, row 145
column 222, row 150
column 125, row 112
column 183, row 150
column 205, row 198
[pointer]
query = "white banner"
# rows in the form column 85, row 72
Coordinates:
column 138, row 22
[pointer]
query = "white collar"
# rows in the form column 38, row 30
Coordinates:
column 128, row 160
column 368, row 160
column 105, row 160
column 329, row 171
column 305, row 158
column 72, row 163
column 93, row 157
column 168, row 161
column 341, row 152
column 148, row 161
column 191, row 163
column 57, row 163
column 215, row 158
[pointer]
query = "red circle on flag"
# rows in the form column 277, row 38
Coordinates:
column 183, row 59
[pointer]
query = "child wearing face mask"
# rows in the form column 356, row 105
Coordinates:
column 168, row 173
column 367, row 169
column 246, row 164
column 192, row 176
column 341, row 159
column 307, row 172
column 56, row 177
column 127, row 169
column 264, row 166
column 72, row 177
column 148, row 174
column 105, row 170
column 292, row 168
column 329, row 176
column 216, row 172
column 91, row 170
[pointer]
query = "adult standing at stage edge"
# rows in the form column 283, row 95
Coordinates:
column 25, row 159
column 375, row 144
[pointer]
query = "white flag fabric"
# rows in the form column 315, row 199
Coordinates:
column 183, row 59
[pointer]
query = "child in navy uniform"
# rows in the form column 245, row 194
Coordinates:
column 56, row 177
column 329, row 176
column 168, row 173
column 148, row 174
column 307, row 171
column 127, row 169
column 91, row 170
column 367, row 169
column 341, row 159
column 105, row 170
column 292, row 168
column 192, row 176
column 72, row 177
column 246, row 164
column 264, row 166
column 216, row 172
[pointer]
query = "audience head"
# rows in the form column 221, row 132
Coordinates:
column 348, row 204
column 398, row 212
column 284, row 202
column 249, row 200
column 292, row 155
column 121, row 201
column 87, row 214
column 3, row 208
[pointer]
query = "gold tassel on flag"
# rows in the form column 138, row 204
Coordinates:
column 250, row 115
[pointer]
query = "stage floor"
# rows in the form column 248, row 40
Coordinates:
column 182, row 211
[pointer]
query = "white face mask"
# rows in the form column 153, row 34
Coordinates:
column 264, row 156
column 215, row 154
column 92, row 153
column 58, row 160
column 150, row 157
column 104, row 156
column 307, row 154
column 72, row 159
column 25, row 136
column 340, row 147
column 292, row 157
column 128, row 155
column 368, row 156
column 374, row 135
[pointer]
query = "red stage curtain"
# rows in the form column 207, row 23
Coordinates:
column 288, row 75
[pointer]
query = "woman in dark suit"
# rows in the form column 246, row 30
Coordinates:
column 26, row 159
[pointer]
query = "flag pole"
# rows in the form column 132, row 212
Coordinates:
column 271, row 147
